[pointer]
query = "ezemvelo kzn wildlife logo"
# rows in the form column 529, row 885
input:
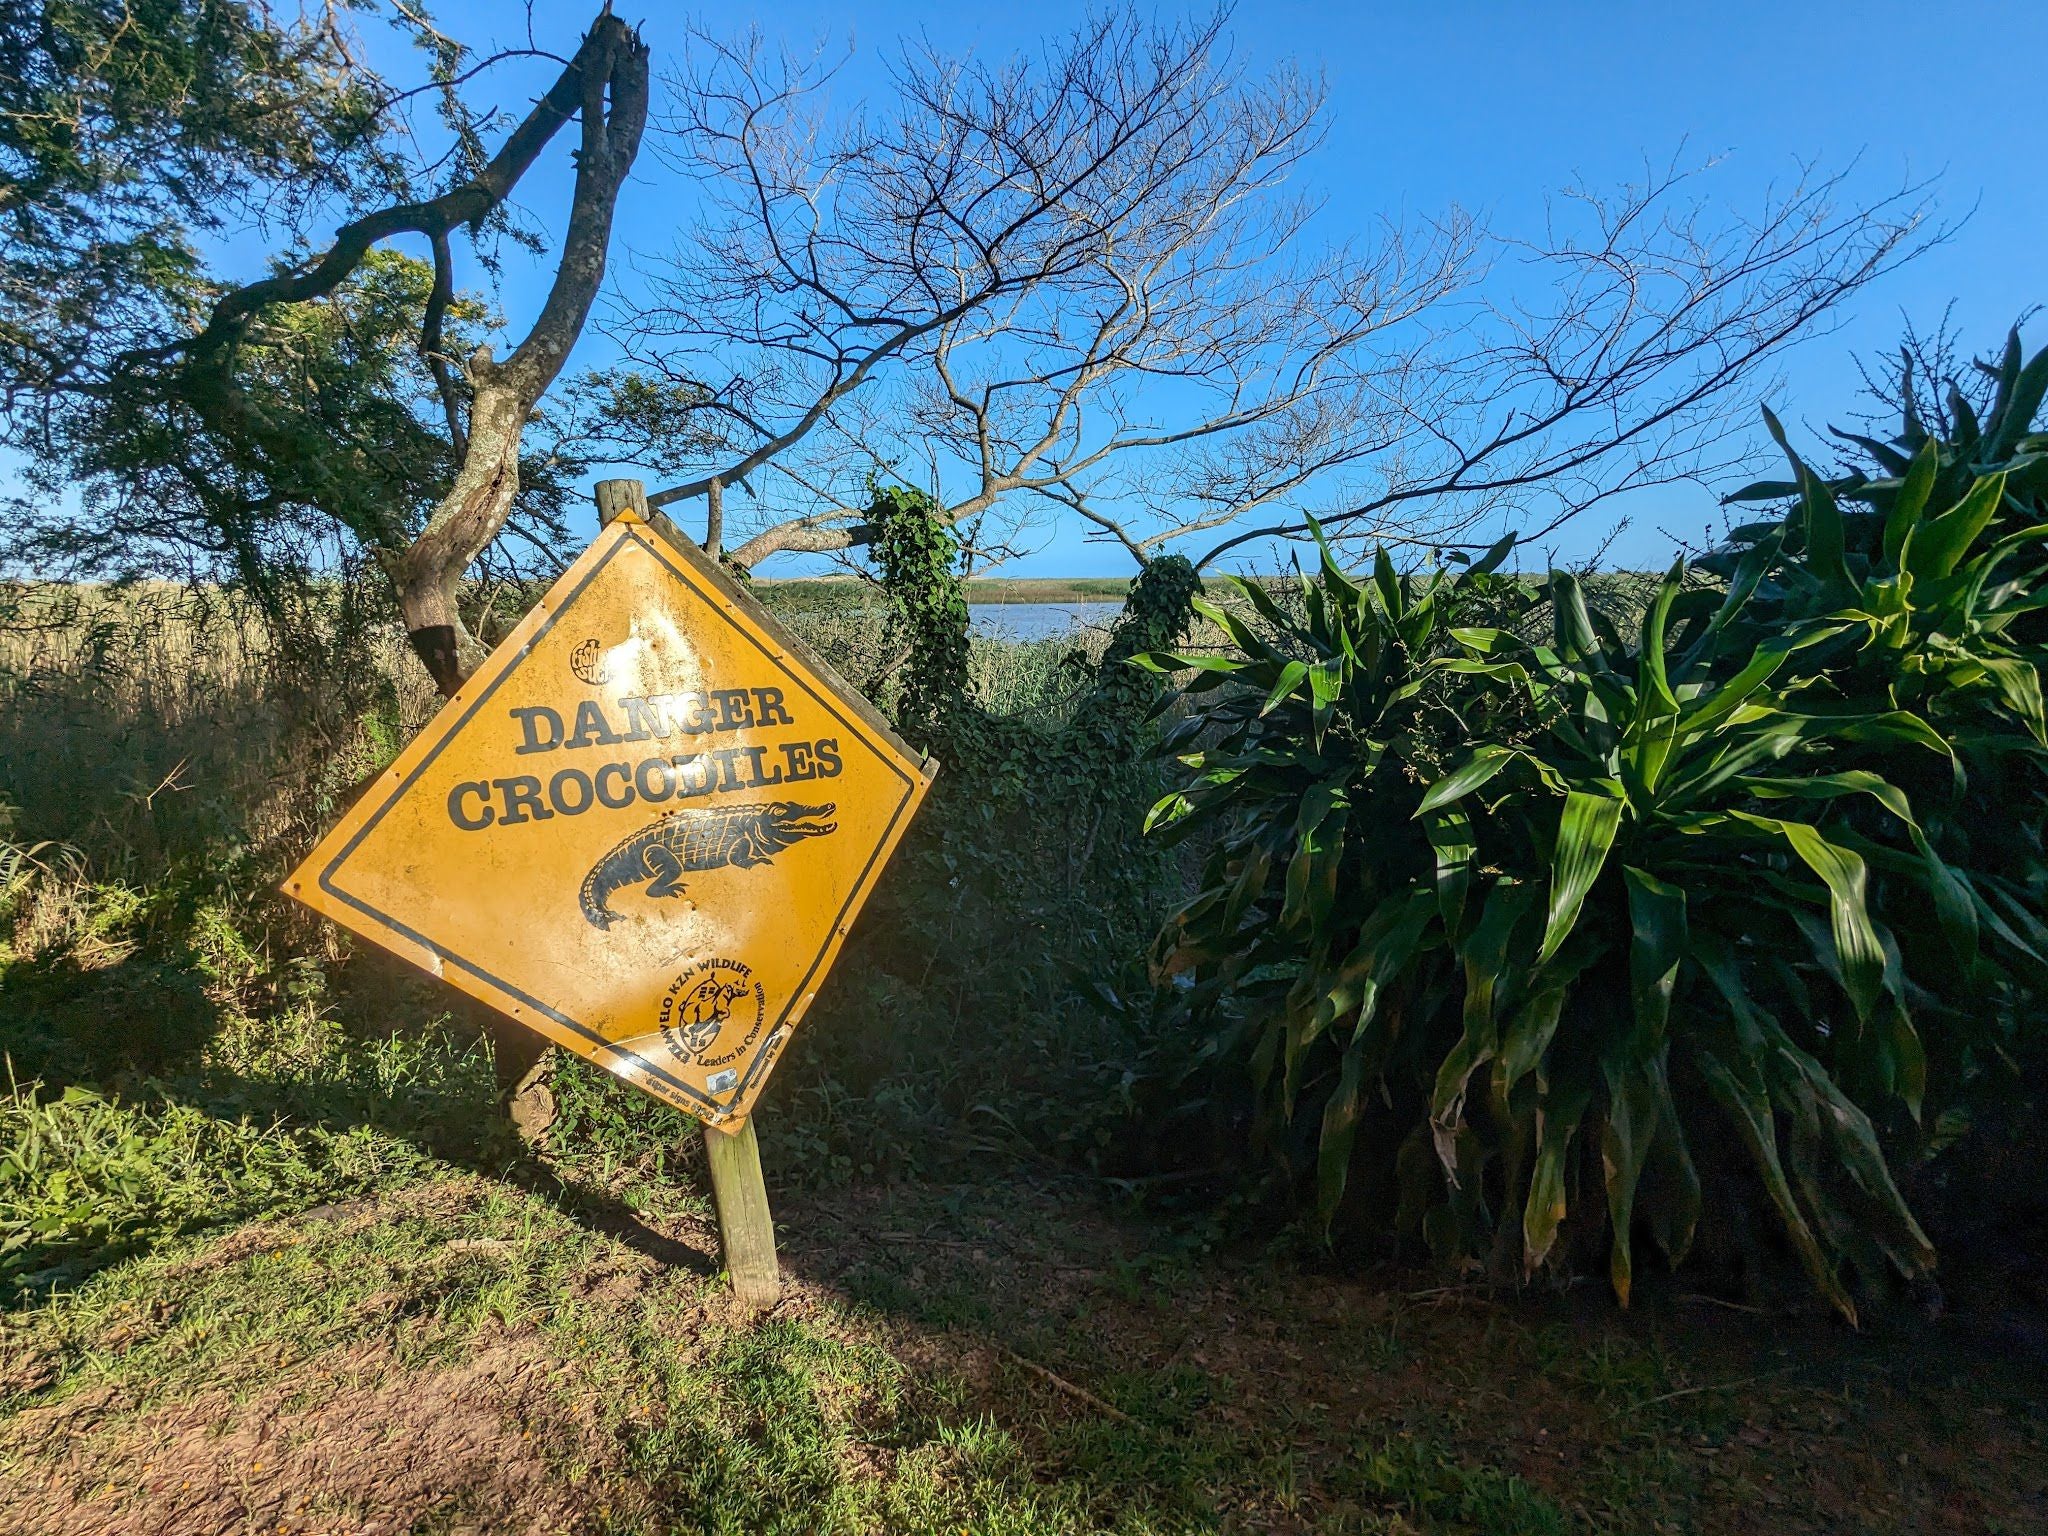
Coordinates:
column 685, row 842
column 700, row 1002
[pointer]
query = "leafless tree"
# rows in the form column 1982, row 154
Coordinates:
column 1627, row 348
column 1082, row 285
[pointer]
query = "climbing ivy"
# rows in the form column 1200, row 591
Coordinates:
column 1158, row 610
column 919, row 559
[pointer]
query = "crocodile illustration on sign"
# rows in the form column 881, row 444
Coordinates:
column 684, row 842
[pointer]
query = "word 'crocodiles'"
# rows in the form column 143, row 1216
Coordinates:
column 710, row 838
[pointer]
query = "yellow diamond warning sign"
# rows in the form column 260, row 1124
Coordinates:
column 642, row 828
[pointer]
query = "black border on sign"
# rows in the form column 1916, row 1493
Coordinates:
column 830, row 704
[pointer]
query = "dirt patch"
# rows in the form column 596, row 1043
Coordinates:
column 1129, row 1364
column 1746, row 1423
column 359, row 1446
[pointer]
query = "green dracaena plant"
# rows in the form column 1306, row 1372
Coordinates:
column 1682, row 879
column 1304, row 753
column 1529, row 919
column 1933, row 570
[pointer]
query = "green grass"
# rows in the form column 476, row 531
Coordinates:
column 1427, row 1478
column 543, row 1368
column 268, row 1259
column 85, row 1179
column 1048, row 589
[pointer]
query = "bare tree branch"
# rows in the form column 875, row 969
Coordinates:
column 992, row 265
column 1635, row 361
column 1080, row 286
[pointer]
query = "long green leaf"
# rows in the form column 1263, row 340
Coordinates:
column 1449, row 831
column 2014, row 414
column 1495, row 557
column 1741, row 1092
column 1485, row 953
column 1393, row 599
column 1318, row 844
column 1339, row 1133
column 1673, row 1211
column 1820, row 518
column 1657, row 946
column 1855, row 1142
column 1632, row 1122
column 1289, row 679
column 1473, row 773
column 1940, row 543
column 1653, row 684
column 1528, row 1035
column 1576, row 639
column 1557, row 1120
column 1910, row 502
column 1585, row 832
column 1857, row 949
column 1255, row 593
column 1749, row 571
column 2019, row 687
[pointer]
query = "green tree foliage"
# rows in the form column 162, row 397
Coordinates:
column 324, row 428
column 128, row 128
column 342, row 405
column 1728, row 881
column 130, row 135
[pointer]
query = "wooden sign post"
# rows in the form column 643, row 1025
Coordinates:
column 746, row 1228
column 643, row 828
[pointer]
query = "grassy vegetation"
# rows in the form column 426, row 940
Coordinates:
column 462, row 1352
column 980, row 589
column 268, row 1261
column 1047, row 589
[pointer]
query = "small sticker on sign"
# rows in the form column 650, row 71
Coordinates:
column 721, row 1082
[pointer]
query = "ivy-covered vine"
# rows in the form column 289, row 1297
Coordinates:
column 918, row 555
column 1158, row 610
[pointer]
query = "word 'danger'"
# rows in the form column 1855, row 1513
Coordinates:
column 643, row 828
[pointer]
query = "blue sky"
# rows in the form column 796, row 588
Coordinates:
column 1491, row 106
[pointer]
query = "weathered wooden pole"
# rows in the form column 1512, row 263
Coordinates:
column 745, row 1228
column 616, row 496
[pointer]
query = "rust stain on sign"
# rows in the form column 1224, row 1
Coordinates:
column 642, row 828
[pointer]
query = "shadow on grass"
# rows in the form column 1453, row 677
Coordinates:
column 65, row 1021
column 135, row 1115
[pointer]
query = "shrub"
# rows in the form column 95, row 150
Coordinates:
column 979, row 1001
column 1521, row 927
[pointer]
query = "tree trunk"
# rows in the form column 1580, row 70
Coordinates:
column 610, row 78
column 427, row 575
